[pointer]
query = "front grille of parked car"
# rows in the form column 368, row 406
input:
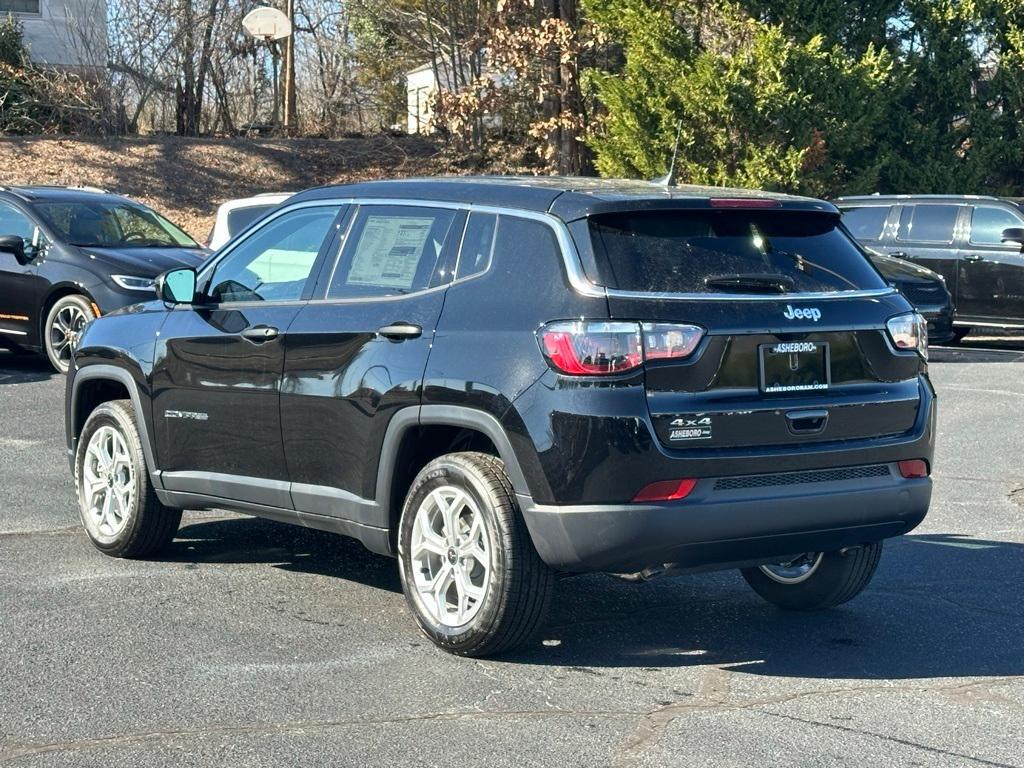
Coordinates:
column 921, row 293
column 802, row 478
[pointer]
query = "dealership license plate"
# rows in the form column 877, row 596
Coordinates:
column 794, row 366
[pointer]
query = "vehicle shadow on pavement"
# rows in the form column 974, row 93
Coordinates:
column 940, row 606
column 289, row 547
column 22, row 368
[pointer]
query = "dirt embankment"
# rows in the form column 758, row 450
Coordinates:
column 186, row 179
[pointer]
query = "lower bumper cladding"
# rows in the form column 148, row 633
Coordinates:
column 730, row 520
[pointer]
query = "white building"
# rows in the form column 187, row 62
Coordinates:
column 422, row 86
column 70, row 34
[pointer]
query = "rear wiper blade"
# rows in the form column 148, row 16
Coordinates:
column 754, row 283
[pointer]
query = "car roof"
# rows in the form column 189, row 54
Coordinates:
column 567, row 197
column 40, row 193
column 927, row 198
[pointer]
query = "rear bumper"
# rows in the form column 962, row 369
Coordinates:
column 715, row 526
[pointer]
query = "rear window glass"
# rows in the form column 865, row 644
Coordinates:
column 240, row 218
column 928, row 223
column 866, row 223
column 733, row 251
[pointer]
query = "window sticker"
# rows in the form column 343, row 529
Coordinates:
column 389, row 251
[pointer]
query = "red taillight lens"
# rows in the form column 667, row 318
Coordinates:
column 744, row 202
column 589, row 349
column 911, row 468
column 596, row 348
column 666, row 490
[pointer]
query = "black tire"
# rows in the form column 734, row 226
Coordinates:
column 58, row 338
column 958, row 335
column 838, row 577
column 148, row 525
column 517, row 593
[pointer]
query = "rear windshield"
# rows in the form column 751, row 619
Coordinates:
column 708, row 251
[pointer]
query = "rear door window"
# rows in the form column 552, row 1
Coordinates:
column 928, row 223
column 704, row 251
column 867, row 222
column 988, row 223
column 391, row 250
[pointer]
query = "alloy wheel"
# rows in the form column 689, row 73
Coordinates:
column 64, row 329
column 451, row 556
column 107, row 485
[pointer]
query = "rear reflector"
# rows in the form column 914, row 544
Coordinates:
column 744, row 202
column 913, row 468
column 666, row 490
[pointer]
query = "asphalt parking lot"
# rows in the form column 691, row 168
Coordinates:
column 252, row 643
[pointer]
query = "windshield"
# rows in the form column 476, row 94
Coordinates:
column 733, row 251
column 112, row 224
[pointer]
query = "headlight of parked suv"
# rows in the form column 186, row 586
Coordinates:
column 909, row 332
column 131, row 283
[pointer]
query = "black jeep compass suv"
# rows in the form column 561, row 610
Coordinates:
column 500, row 379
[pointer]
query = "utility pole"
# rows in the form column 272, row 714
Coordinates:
column 290, row 116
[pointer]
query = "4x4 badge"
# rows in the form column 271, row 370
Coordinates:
column 690, row 428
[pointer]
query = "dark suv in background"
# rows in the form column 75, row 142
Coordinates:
column 973, row 242
column 68, row 254
column 500, row 379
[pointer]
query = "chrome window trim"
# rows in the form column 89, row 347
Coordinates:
column 570, row 257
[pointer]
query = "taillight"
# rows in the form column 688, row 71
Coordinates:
column 666, row 341
column 911, row 468
column 590, row 349
column 909, row 332
column 597, row 348
column 666, row 490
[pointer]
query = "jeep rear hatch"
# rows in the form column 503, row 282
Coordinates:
column 795, row 347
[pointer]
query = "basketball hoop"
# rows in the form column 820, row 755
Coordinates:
column 267, row 24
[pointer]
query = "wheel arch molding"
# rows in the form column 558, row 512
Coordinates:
column 86, row 390
column 454, row 416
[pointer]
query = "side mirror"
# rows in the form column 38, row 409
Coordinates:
column 1014, row 235
column 13, row 244
column 176, row 286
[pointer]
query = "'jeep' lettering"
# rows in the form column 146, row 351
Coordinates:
column 811, row 313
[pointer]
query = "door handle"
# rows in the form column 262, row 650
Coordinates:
column 899, row 254
column 260, row 333
column 974, row 257
column 400, row 331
